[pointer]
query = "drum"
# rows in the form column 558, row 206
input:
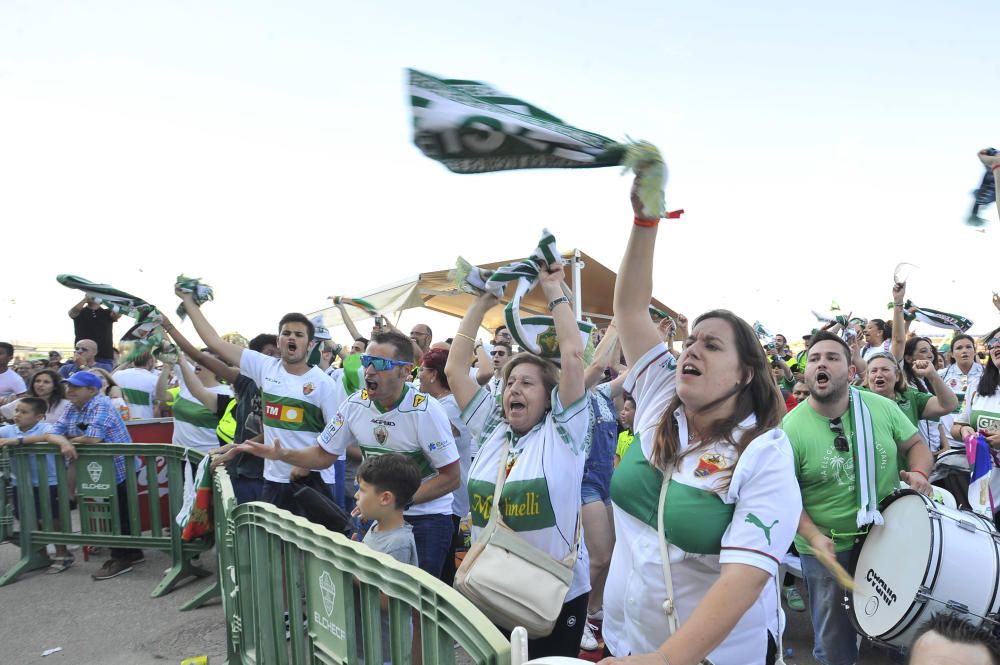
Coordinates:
column 927, row 558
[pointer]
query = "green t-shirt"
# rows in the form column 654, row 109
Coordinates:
column 826, row 476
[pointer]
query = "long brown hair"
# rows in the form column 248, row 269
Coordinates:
column 757, row 394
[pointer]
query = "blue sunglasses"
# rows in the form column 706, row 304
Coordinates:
column 381, row 364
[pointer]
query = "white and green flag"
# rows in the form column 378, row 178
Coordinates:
column 471, row 127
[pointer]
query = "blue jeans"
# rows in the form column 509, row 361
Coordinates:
column 247, row 489
column 432, row 535
column 835, row 637
column 339, row 491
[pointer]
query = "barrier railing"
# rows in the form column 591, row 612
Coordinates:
column 294, row 592
column 6, row 498
column 100, row 502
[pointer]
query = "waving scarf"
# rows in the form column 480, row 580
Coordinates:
column 934, row 317
column 471, row 127
column 147, row 333
column 536, row 334
column 983, row 195
column 364, row 305
column 201, row 293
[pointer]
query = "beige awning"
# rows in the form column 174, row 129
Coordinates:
column 434, row 291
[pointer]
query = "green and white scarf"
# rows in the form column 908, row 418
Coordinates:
column 934, row 317
column 145, row 335
column 201, row 293
column 536, row 334
column 864, row 462
column 355, row 302
column 471, row 127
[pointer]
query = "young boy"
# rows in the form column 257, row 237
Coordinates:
column 386, row 485
column 29, row 426
column 626, row 416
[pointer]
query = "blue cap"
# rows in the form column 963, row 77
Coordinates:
column 85, row 380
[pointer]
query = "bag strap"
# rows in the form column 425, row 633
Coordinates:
column 496, row 518
column 668, row 605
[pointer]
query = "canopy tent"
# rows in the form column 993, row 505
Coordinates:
column 435, row 291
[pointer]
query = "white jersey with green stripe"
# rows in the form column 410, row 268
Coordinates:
column 138, row 385
column 295, row 408
column 194, row 424
column 416, row 426
column 707, row 524
column 540, row 499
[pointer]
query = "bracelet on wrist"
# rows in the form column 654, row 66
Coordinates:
column 995, row 167
column 921, row 473
column 462, row 334
column 555, row 303
column 645, row 223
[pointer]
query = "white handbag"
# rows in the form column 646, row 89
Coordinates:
column 510, row 580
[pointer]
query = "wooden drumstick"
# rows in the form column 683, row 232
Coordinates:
column 839, row 573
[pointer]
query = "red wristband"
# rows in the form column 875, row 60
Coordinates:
column 646, row 223
column 921, row 473
column 995, row 167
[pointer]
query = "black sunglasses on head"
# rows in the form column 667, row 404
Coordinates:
column 840, row 441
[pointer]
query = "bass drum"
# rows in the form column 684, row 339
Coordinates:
column 927, row 558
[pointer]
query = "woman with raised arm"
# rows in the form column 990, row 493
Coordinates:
column 707, row 432
column 542, row 419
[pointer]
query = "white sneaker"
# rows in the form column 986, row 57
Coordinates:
column 589, row 641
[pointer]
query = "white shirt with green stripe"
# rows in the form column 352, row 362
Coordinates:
column 194, row 424
column 416, row 426
column 752, row 522
column 295, row 408
column 138, row 385
column 541, row 496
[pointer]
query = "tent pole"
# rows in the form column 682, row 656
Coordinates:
column 577, row 290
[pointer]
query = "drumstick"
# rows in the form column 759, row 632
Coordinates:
column 839, row 573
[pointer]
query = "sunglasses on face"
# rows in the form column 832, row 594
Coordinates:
column 380, row 364
column 498, row 353
column 840, row 441
column 992, row 343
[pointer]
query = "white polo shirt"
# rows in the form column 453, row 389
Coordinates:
column 417, row 426
column 752, row 522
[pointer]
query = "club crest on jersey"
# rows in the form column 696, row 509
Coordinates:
column 308, row 388
column 710, row 463
column 418, row 399
column 381, row 434
column 364, row 394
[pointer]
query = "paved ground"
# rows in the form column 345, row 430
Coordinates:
column 115, row 622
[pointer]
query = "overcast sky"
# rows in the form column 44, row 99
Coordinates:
column 265, row 147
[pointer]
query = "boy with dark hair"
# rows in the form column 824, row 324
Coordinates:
column 29, row 426
column 948, row 638
column 386, row 485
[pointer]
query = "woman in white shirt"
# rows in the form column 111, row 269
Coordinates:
column 711, row 418
column 542, row 419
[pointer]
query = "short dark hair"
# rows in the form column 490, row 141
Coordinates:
column 8, row 347
column 954, row 628
column 296, row 317
column 363, row 340
column 506, row 345
column 394, row 473
column 37, row 404
column 959, row 337
column 884, row 326
column 825, row 336
column 402, row 344
column 260, row 341
column 498, row 329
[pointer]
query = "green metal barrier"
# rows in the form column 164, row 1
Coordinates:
column 99, row 505
column 275, row 565
column 6, row 498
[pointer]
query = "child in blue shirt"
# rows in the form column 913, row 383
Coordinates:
column 29, row 426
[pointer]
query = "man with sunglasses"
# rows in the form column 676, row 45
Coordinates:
column 501, row 354
column 389, row 416
column 84, row 358
column 828, row 455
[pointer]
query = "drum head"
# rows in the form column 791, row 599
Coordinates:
column 892, row 565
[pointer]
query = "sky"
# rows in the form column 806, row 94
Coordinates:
column 265, row 147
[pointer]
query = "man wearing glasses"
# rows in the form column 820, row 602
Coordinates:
column 389, row 416
column 829, row 454
column 84, row 358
